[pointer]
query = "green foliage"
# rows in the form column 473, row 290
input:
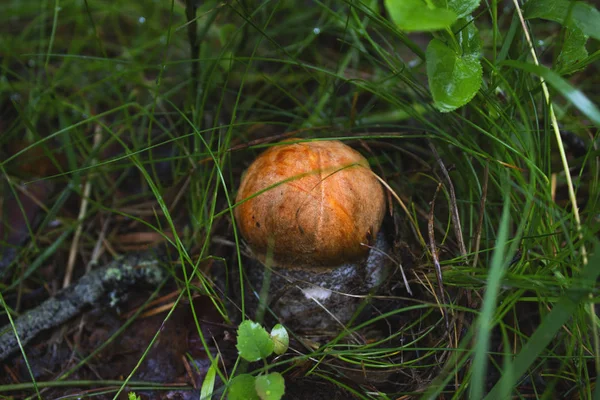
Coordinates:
column 455, row 73
column 581, row 21
column 575, row 96
column 72, row 69
column 572, row 14
column 133, row 396
column 254, row 343
column 461, row 8
column 552, row 323
column 270, row 386
column 281, row 339
column 453, row 67
column 416, row 15
column 573, row 51
column 242, row 388
column 208, row 385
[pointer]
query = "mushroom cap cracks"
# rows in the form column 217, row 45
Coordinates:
column 318, row 204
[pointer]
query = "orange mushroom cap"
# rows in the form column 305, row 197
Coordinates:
column 317, row 203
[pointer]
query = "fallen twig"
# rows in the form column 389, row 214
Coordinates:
column 110, row 281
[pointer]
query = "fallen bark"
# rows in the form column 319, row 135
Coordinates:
column 106, row 284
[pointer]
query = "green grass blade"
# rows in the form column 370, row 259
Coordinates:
column 560, row 314
column 208, row 384
column 486, row 318
column 575, row 96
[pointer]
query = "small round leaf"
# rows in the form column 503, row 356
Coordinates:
column 270, row 386
column 242, row 387
column 281, row 339
column 253, row 341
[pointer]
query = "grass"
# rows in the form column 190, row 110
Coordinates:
column 102, row 109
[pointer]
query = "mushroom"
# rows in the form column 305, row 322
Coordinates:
column 312, row 211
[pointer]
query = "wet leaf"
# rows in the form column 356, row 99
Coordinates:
column 253, row 341
column 242, row 388
column 468, row 37
column 455, row 74
column 462, row 8
column 270, row 386
column 416, row 15
column 281, row 339
column 573, row 50
column 571, row 14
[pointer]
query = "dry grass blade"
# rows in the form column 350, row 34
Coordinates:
column 434, row 255
column 481, row 214
column 453, row 205
column 82, row 211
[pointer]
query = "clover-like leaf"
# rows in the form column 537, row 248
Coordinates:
column 281, row 339
column 416, row 15
column 242, row 387
column 270, row 386
column 253, row 341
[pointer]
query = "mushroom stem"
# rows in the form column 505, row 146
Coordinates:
column 318, row 300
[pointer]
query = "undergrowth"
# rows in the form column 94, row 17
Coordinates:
column 123, row 125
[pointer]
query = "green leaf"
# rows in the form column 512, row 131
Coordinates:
column 578, row 14
column 208, row 384
column 270, row 386
column 573, row 50
column 280, row 338
column 253, row 341
column 461, row 8
column 468, row 38
column 133, row 396
column 416, row 15
column 562, row 311
column 242, row 388
column 575, row 96
column 455, row 74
